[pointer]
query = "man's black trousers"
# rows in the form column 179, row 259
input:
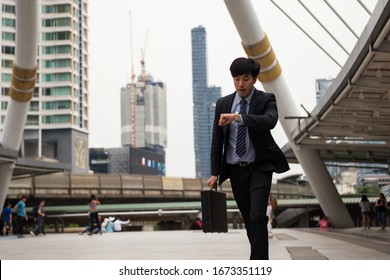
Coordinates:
column 251, row 187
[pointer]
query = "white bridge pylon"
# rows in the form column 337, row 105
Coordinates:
column 24, row 72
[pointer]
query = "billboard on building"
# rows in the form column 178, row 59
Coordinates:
column 144, row 161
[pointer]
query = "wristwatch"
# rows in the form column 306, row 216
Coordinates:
column 237, row 117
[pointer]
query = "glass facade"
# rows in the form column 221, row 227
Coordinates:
column 204, row 99
column 322, row 86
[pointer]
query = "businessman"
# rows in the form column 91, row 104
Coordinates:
column 244, row 150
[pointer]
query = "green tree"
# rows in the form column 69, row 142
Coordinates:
column 369, row 188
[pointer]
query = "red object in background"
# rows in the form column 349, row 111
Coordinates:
column 324, row 223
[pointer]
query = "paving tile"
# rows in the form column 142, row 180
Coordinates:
column 194, row 245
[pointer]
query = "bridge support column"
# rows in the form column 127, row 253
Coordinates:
column 22, row 85
column 304, row 219
column 257, row 46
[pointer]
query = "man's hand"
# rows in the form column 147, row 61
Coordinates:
column 212, row 182
column 225, row 119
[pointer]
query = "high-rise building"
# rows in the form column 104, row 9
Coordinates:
column 57, row 121
column 143, row 127
column 204, row 99
column 144, row 114
column 322, row 86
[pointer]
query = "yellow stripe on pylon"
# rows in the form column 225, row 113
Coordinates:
column 271, row 75
column 21, row 96
column 22, row 83
column 264, row 54
column 258, row 48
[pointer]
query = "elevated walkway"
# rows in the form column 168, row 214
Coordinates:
column 287, row 244
column 290, row 212
column 134, row 208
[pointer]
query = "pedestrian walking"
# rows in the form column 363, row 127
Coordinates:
column 21, row 216
column 93, row 214
column 39, row 220
column 381, row 209
column 7, row 219
column 365, row 209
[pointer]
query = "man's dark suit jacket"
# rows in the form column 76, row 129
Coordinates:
column 261, row 118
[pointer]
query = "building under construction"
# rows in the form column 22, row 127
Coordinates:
column 143, row 131
column 144, row 114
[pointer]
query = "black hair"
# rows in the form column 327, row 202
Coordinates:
column 245, row 66
column 364, row 197
column 93, row 197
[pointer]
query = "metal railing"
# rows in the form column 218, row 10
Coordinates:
column 66, row 185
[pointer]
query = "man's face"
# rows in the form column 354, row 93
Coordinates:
column 244, row 84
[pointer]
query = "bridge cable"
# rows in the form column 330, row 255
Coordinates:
column 364, row 7
column 323, row 27
column 340, row 18
column 308, row 35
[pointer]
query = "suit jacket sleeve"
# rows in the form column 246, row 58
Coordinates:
column 260, row 120
column 264, row 114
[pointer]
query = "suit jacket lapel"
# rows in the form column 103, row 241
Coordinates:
column 227, row 108
column 229, row 103
column 255, row 95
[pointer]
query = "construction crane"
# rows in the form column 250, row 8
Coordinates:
column 143, row 73
column 132, row 88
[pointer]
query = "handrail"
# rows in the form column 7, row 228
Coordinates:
column 128, row 213
column 122, row 186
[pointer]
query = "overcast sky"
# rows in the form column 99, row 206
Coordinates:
column 167, row 45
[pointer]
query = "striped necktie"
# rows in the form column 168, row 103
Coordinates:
column 241, row 132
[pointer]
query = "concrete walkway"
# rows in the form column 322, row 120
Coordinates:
column 287, row 244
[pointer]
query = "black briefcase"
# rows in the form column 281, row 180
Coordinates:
column 214, row 211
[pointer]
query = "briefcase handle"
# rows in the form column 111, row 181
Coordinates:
column 215, row 188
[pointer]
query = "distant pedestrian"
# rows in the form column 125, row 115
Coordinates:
column 39, row 219
column 104, row 224
column 365, row 208
column 88, row 230
column 110, row 225
column 119, row 223
column 269, row 215
column 21, row 216
column 380, row 209
column 197, row 224
column 93, row 214
column 324, row 223
column 7, row 219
